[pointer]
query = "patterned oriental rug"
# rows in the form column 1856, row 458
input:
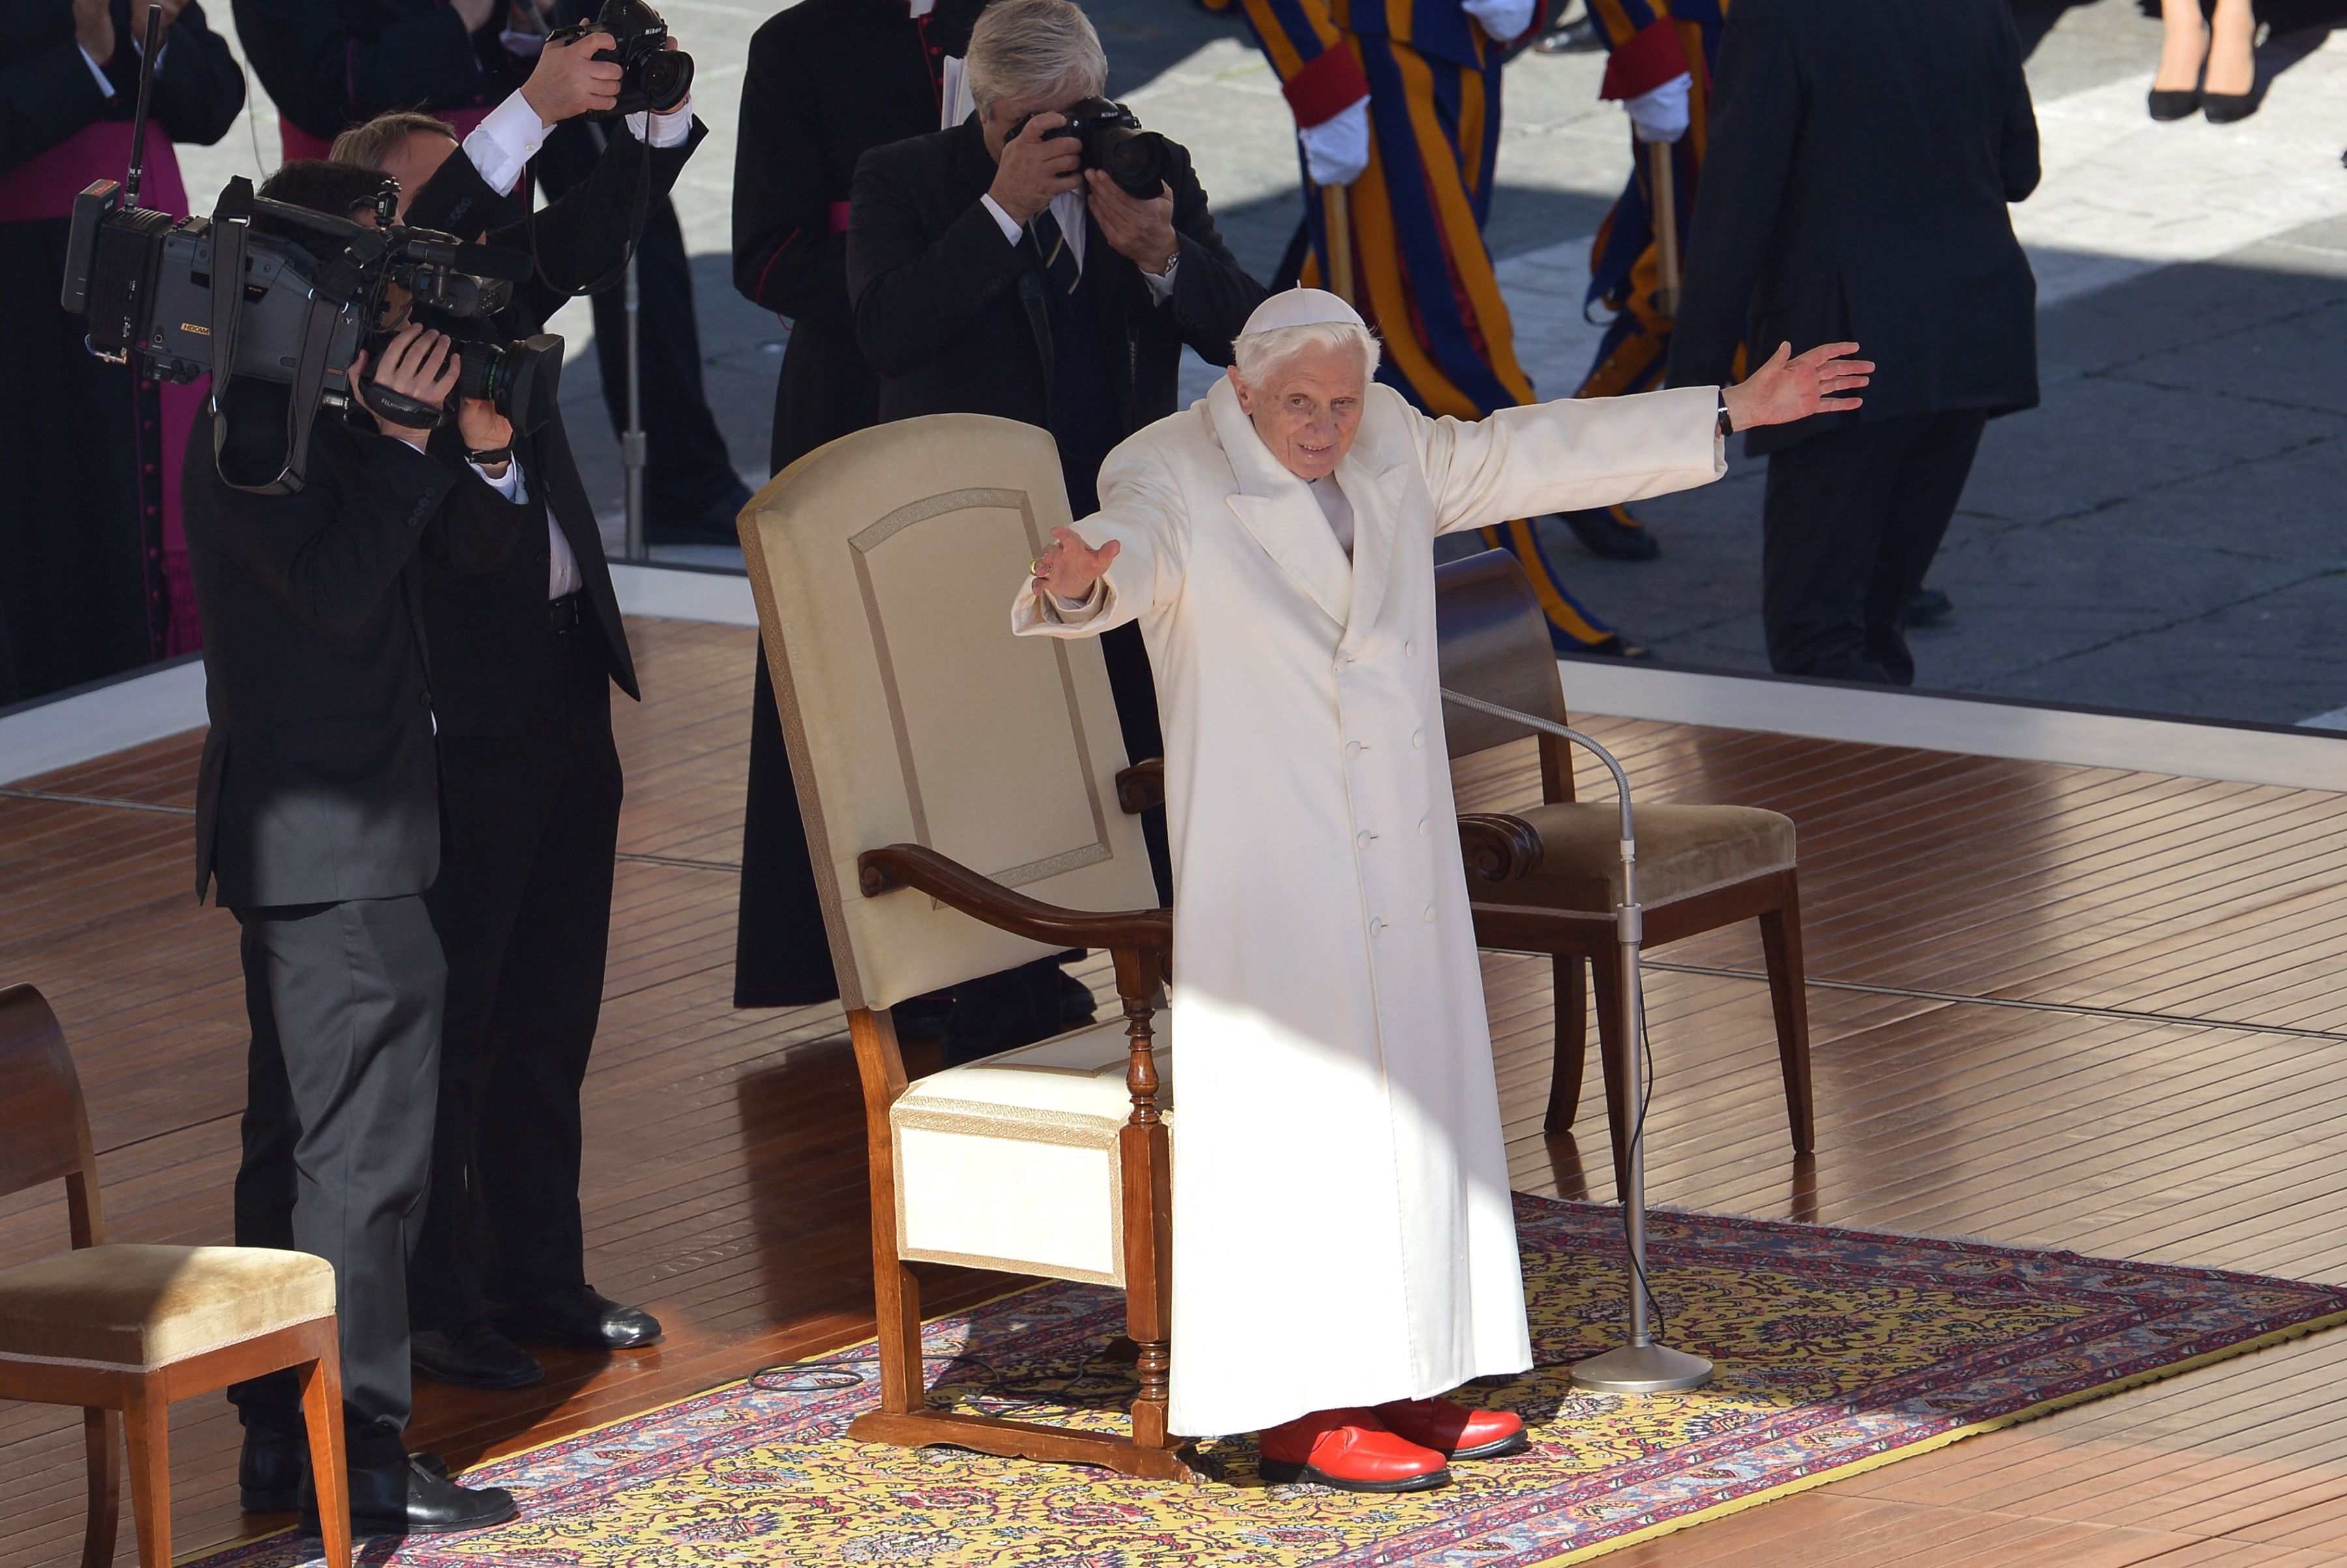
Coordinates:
column 1837, row 1351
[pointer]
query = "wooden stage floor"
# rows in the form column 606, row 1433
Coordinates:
column 2054, row 1005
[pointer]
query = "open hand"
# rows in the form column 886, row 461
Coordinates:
column 1069, row 568
column 569, row 80
column 1143, row 230
column 1787, row 388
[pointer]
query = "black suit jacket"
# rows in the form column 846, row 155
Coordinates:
column 1859, row 164
column 938, row 310
column 495, row 670
column 319, row 781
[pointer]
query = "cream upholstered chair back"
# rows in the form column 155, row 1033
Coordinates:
column 883, row 565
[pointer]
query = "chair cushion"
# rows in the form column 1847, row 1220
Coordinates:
column 1012, row 1162
column 141, row 1307
column 1683, row 850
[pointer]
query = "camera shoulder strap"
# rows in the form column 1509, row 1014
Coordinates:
column 230, row 249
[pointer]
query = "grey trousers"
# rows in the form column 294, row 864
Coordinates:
column 345, row 1002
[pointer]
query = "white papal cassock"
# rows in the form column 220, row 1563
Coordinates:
column 1342, row 1233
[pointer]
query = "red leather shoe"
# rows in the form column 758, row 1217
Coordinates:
column 1455, row 1430
column 1350, row 1450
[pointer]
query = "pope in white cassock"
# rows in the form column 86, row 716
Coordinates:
column 1344, row 1252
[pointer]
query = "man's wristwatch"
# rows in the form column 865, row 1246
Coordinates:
column 490, row 459
column 1726, row 425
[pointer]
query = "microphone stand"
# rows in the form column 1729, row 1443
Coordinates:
column 1640, row 1366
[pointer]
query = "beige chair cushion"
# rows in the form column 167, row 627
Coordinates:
column 141, row 1307
column 1683, row 850
column 1011, row 1164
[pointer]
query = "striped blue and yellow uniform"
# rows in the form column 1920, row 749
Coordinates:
column 1421, row 275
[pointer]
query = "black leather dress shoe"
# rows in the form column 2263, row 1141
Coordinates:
column 406, row 1499
column 715, row 527
column 474, row 1357
column 1929, row 607
column 272, row 1466
column 580, row 1317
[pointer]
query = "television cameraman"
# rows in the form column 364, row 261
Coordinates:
column 525, row 650
column 318, row 812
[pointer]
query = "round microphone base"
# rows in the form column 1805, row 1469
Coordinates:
column 1642, row 1369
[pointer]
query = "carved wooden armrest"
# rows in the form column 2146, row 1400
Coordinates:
column 1142, row 786
column 957, row 885
column 1499, row 847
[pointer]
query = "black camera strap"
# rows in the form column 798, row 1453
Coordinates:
column 230, row 243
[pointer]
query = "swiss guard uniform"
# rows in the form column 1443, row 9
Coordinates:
column 1406, row 178
column 1652, row 46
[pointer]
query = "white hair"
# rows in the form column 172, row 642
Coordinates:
column 1033, row 48
column 1260, row 356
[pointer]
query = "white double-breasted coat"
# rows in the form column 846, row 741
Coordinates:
column 1342, row 1233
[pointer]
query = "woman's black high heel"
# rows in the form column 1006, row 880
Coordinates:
column 2224, row 108
column 2174, row 104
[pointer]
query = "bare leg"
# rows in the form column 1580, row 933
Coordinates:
column 2232, row 56
column 2184, row 45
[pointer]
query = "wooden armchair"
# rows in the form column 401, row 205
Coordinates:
column 960, row 791
column 1546, row 880
column 126, row 1330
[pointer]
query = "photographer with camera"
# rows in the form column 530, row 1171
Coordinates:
column 330, row 65
column 318, row 812
column 525, row 647
column 1044, row 261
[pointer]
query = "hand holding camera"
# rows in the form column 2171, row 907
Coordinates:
column 652, row 74
column 1037, row 165
column 412, row 381
column 576, row 74
column 1140, row 230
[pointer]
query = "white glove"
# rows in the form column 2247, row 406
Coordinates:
column 1337, row 149
column 1503, row 19
column 1662, row 114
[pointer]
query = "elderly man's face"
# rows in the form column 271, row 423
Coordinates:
column 998, row 121
column 1311, row 410
column 415, row 161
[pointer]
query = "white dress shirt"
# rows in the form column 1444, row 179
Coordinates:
column 98, row 70
column 501, row 147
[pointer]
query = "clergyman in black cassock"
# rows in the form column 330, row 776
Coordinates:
column 1861, row 160
column 90, row 548
column 828, row 80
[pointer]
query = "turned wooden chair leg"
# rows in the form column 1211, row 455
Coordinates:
column 102, row 1438
column 146, row 1422
column 1780, row 942
column 1572, row 1044
column 322, row 1413
column 1612, row 1031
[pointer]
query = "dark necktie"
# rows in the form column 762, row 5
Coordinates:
column 1058, row 260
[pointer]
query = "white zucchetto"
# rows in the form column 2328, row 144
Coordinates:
column 1300, row 308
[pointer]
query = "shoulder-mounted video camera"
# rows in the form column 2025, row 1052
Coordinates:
column 315, row 290
column 1113, row 142
column 653, row 78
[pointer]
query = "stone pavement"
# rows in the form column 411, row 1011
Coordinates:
column 2164, row 534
